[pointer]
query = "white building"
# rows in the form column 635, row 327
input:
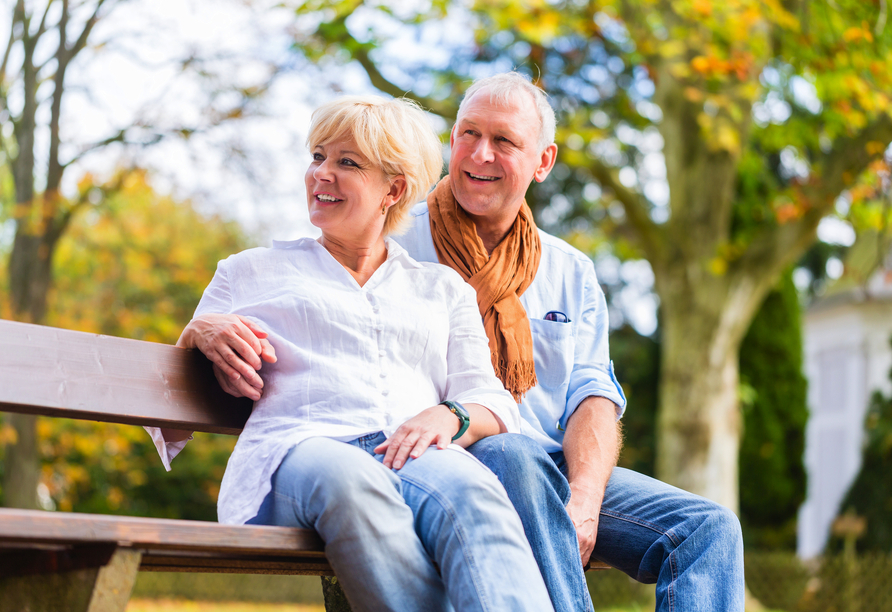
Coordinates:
column 847, row 357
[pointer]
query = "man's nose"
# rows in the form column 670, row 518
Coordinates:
column 483, row 152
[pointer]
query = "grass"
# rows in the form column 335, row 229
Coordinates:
column 184, row 605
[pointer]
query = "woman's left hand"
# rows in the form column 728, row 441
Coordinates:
column 436, row 424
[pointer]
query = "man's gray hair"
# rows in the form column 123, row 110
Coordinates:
column 503, row 88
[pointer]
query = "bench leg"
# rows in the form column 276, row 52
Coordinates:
column 333, row 594
column 102, row 589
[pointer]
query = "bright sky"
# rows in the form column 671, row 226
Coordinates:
column 251, row 169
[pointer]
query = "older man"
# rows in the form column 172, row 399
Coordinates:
column 546, row 319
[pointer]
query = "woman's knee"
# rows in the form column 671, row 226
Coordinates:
column 335, row 471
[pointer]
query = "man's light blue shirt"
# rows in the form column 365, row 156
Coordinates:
column 572, row 359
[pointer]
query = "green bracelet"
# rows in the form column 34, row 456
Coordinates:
column 463, row 417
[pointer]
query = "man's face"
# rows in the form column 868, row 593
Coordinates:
column 494, row 156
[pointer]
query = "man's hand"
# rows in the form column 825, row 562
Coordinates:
column 436, row 424
column 584, row 512
column 237, row 347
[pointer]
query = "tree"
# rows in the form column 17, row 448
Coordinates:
column 136, row 268
column 46, row 43
column 709, row 137
column 772, row 472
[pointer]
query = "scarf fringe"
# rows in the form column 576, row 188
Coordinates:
column 518, row 377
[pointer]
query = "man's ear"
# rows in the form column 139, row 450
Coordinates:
column 546, row 163
column 452, row 134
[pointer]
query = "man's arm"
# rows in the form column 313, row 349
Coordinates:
column 591, row 447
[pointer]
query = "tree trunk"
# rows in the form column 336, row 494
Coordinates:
column 29, row 278
column 703, row 322
column 699, row 422
column 22, row 464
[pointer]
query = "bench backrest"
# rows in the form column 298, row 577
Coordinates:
column 58, row 372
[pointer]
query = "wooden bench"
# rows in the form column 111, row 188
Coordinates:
column 71, row 562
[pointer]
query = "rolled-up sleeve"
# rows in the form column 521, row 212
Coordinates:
column 592, row 373
column 470, row 377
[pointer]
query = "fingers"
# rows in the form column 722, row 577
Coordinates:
column 235, row 367
column 403, row 445
column 236, row 388
column 586, row 547
column 267, row 352
column 256, row 329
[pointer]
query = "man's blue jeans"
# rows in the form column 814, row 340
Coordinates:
column 690, row 547
column 384, row 530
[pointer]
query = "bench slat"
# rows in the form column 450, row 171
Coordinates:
column 64, row 373
column 36, row 526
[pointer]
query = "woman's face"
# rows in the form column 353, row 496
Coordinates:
column 346, row 192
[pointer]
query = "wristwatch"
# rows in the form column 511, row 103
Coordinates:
column 463, row 417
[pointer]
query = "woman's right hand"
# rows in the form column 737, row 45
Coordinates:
column 236, row 346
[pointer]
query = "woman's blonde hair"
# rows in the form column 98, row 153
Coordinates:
column 394, row 134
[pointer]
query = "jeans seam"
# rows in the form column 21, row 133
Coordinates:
column 670, row 590
column 459, row 531
column 645, row 524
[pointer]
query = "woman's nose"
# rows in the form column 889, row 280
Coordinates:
column 323, row 172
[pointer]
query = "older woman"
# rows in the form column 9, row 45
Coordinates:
column 372, row 365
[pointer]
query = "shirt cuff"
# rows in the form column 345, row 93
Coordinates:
column 609, row 389
column 166, row 450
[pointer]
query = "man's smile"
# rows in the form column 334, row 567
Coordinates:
column 481, row 177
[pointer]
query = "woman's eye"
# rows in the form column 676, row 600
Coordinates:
column 348, row 162
column 317, row 157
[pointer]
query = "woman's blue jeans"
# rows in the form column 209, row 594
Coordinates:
column 689, row 546
column 387, row 531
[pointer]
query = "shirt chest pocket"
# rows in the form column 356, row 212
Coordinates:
column 554, row 346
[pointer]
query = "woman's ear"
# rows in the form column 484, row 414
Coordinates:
column 398, row 187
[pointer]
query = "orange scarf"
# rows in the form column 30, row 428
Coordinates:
column 499, row 280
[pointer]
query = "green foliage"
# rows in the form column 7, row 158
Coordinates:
column 638, row 366
column 134, row 266
column 772, row 474
column 870, row 495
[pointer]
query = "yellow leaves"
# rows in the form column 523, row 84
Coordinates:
column 702, row 7
column 858, row 33
column 718, row 266
column 740, row 65
column 85, row 183
column 875, row 147
column 8, row 434
column 786, row 209
column 672, row 49
column 719, row 133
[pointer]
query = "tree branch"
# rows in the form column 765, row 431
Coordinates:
column 19, row 8
column 447, row 110
column 649, row 235
column 81, row 41
column 41, row 29
column 849, row 157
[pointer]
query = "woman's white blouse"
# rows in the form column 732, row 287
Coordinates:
column 351, row 360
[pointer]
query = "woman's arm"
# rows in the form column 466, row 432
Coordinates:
column 437, row 425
